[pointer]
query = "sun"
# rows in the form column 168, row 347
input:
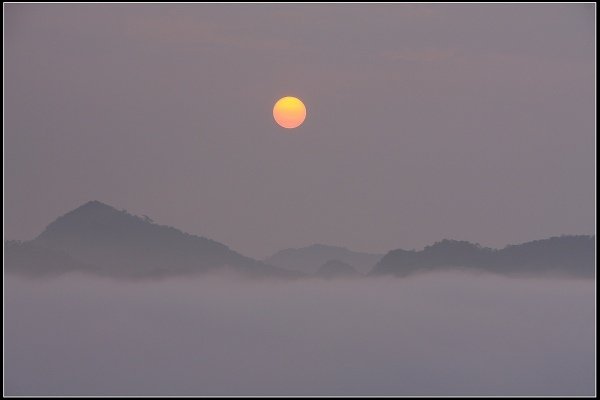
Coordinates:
column 289, row 112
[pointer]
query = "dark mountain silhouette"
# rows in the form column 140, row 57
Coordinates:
column 337, row 269
column 100, row 239
column 117, row 243
column 309, row 259
column 29, row 259
column 572, row 256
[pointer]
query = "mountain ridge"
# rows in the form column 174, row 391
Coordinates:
column 98, row 238
column 337, row 269
column 309, row 259
column 118, row 243
column 570, row 255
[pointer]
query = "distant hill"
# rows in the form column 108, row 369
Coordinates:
column 572, row 256
column 337, row 269
column 117, row 243
column 100, row 239
column 29, row 259
column 309, row 259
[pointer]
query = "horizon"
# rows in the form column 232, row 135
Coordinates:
column 152, row 221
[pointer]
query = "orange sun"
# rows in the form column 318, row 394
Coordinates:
column 289, row 112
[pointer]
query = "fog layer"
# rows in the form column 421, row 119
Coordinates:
column 442, row 334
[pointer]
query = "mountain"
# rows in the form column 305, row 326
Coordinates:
column 100, row 239
column 117, row 243
column 572, row 256
column 337, row 269
column 29, row 259
column 309, row 259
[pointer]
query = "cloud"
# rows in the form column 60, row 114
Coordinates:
column 445, row 334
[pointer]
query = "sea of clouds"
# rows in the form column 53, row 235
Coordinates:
column 437, row 334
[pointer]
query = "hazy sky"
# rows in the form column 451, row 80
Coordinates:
column 424, row 122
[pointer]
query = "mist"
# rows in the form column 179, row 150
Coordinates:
column 431, row 334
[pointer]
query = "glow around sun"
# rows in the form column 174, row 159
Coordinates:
column 289, row 112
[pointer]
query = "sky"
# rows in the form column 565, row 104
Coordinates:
column 438, row 334
column 424, row 121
